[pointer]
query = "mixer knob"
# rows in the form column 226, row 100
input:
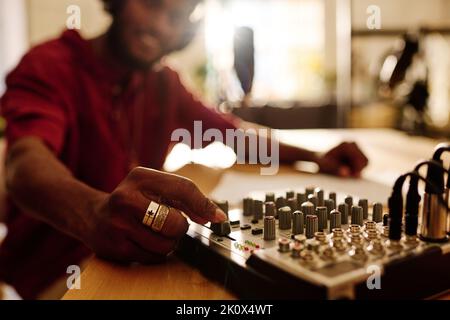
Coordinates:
column 357, row 215
column 335, row 220
column 269, row 228
column 309, row 190
column 283, row 245
column 292, row 203
column 298, row 225
column 332, row 196
column 285, row 218
column 308, row 209
column 269, row 209
column 301, row 198
column 312, row 226
column 290, row 194
column 313, row 199
column 257, row 209
column 222, row 229
column 343, row 209
column 377, row 212
column 364, row 204
column 321, row 213
column 270, row 197
column 280, row 202
column 248, row 207
column 330, row 204
column 349, row 201
column 320, row 196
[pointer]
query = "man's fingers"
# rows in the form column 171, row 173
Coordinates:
column 177, row 190
column 174, row 224
column 356, row 158
column 151, row 241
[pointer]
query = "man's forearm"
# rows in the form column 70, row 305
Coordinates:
column 290, row 154
column 42, row 186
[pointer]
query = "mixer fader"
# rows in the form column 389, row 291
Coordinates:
column 314, row 243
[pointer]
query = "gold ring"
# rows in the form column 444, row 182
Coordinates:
column 160, row 218
column 149, row 216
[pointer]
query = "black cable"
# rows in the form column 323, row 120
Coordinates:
column 413, row 198
column 437, row 178
column 395, row 203
column 440, row 149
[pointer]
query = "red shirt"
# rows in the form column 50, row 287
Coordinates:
column 62, row 93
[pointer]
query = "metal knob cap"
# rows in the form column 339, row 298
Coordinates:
column 269, row 209
column 335, row 220
column 301, row 198
column 349, row 201
column 298, row 224
column 269, row 228
column 332, row 196
column 247, row 207
column 357, row 215
column 290, row 194
column 285, row 218
column 364, row 204
column 224, row 228
column 257, row 209
column 221, row 229
column 330, row 204
column 377, row 213
column 309, row 190
column 270, row 197
column 292, row 203
column 308, row 209
column 312, row 225
column 319, row 193
column 322, row 216
column 343, row 209
column 313, row 199
column 280, row 202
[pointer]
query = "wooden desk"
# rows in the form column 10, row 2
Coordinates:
column 389, row 151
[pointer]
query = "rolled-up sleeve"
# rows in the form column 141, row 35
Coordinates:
column 32, row 104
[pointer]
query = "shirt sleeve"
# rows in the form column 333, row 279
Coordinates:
column 31, row 105
column 190, row 109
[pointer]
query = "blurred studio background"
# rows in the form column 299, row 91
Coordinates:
column 290, row 64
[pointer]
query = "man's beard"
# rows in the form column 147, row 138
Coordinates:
column 119, row 48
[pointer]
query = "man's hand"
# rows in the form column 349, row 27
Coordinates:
column 345, row 160
column 116, row 230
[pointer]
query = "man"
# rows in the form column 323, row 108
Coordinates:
column 82, row 114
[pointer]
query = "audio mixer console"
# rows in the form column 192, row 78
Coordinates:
column 300, row 244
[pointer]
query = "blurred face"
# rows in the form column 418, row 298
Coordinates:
column 146, row 30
